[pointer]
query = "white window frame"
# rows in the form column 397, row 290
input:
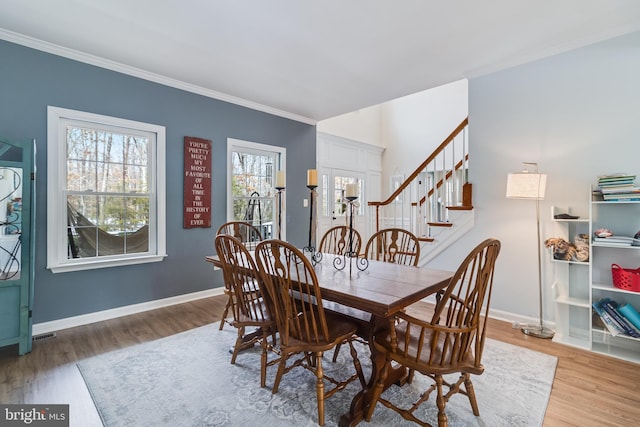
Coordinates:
column 57, row 258
column 247, row 146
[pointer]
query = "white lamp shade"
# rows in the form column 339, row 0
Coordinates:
column 526, row 185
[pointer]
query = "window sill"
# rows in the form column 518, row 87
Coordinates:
column 104, row 263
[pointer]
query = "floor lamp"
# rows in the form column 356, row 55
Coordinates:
column 531, row 185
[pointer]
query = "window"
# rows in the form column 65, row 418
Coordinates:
column 106, row 191
column 333, row 194
column 252, row 172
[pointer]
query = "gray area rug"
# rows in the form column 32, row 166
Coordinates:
column 187, row 380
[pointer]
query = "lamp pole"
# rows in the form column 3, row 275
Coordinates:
column 532, row 185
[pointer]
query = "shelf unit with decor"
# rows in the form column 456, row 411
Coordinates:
column 571, row 293
column 623, row 219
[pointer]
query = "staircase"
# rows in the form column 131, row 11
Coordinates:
column 434, row 202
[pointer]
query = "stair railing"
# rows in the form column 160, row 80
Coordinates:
column 424, row 198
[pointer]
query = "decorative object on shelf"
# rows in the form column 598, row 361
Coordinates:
column 565, row 216
column 340, row 262
column 567, row 251
column 280, row 186
column 628, row 311
column 603, row 232
column 581, row 242
column 312, row 184
column 531, row 185
column 625, row 278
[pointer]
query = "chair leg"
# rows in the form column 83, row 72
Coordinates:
column 471, row 393
column 356, row 364
column 225, row 313
column 263, row 362
column 335, row 353
column 443, row 421
column 236, row 348
column 280, row 372
column 320, row 387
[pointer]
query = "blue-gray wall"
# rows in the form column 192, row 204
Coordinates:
column 30, row 80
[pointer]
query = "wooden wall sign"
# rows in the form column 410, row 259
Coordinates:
column 197, row 182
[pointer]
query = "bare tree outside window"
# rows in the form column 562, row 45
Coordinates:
column 107, row 192
column 253, row 171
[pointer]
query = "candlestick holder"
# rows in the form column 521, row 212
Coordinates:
column 280, row 195
column 315, row 256
column 340, row 262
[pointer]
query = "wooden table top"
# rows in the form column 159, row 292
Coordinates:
column 382, row 289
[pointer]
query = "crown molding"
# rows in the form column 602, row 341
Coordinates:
column 97, row 61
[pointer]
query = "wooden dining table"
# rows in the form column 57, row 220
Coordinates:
column 379, row 291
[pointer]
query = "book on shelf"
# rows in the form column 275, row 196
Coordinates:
column 616, row 241
column 629, row 191
column 616, row 177
column 613, row 244
column 618, row 197
column 624, row 240
column 611, row 307
column 616, row 182
column 623, row 199
column 613, row 328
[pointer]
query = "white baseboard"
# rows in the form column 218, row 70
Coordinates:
column 85, row 319
column 516, row 319
column 505, row 316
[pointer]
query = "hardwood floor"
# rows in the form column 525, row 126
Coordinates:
column 588, row 390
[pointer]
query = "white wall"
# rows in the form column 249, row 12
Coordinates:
column 578, row 115
column 409, row 128
column 413, row 126
column 362, row 125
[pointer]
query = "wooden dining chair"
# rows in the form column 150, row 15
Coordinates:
column 336, row 240
column 451, row 342
column 252, row 308
column 249, row 235
column 306, row 331
column 394, row 245
column 244, row 231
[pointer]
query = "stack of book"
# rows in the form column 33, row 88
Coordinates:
column 618, row 187
column 618, row 319
column 616, row 241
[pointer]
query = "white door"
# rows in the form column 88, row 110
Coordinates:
column 333, row 207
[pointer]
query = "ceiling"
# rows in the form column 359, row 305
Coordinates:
column 310, row 60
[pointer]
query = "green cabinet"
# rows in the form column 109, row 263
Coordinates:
column 17, row 233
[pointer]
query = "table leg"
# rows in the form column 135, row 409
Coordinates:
column 362, row 400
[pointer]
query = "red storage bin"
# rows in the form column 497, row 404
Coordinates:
column 625, row 278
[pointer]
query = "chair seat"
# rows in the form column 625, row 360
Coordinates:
column 339, row 331
column 247, row 320
column 442, row 361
